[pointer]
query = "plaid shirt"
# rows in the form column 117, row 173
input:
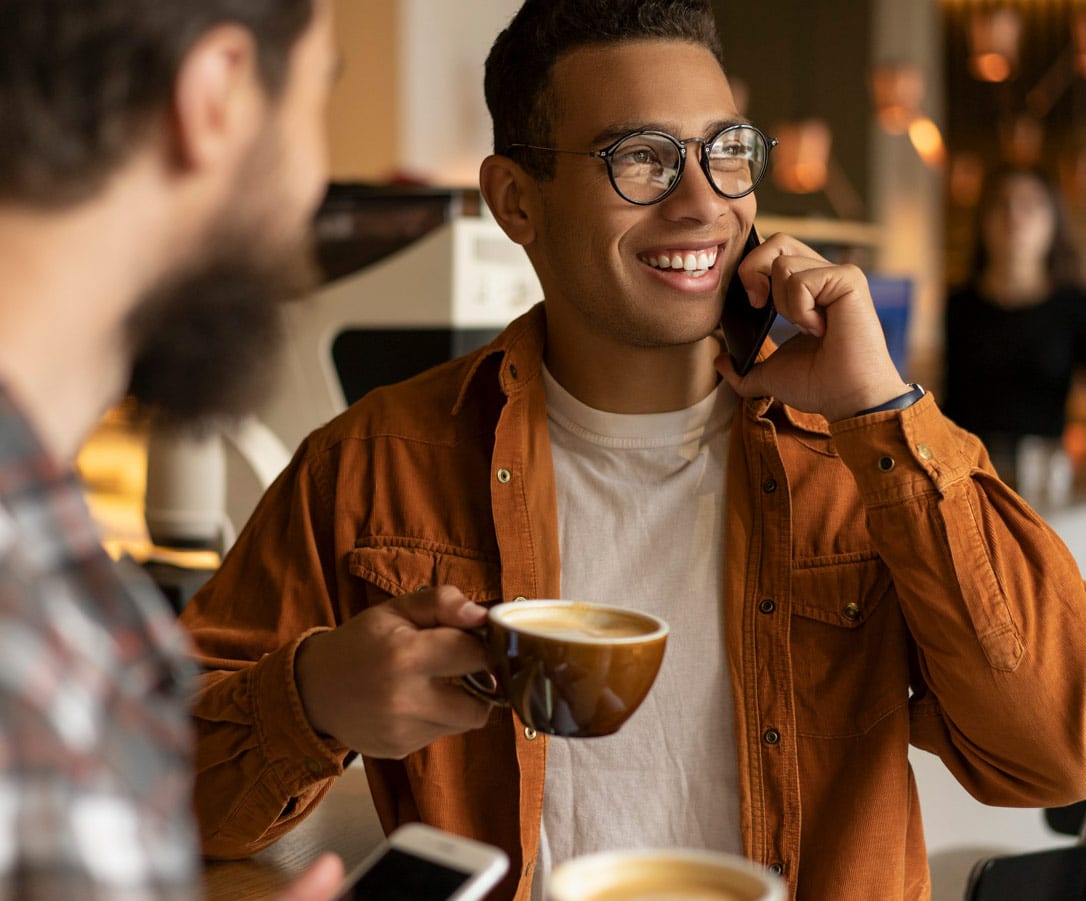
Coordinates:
column 95, row 792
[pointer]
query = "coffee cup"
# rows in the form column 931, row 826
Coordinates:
column 663, row 875
column 569, row 668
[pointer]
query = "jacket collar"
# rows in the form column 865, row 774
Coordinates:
column 518, row 351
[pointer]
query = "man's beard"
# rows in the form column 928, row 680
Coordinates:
column 206, row 341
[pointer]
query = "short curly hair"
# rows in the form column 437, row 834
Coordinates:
column 518, row 70
column 81, row 81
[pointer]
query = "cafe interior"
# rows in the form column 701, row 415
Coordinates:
column 888, row 113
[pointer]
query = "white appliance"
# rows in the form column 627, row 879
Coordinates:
column 440, row 295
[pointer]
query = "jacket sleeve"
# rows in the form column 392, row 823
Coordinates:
column 260, row 767
column 994, row 602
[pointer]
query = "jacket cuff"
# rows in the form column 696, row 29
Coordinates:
column 897, row 454
column 297, row 755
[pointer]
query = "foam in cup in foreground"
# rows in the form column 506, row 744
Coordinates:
column 663, row 875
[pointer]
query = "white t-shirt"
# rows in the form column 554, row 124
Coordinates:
column 640, row 524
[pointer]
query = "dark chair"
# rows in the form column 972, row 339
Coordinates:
column 1067, row 820
column 1054, row 875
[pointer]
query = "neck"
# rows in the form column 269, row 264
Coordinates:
column 1013, row 282
column 624, row 379
column 68, row 280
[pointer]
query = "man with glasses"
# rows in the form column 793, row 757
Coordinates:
column 841, row 570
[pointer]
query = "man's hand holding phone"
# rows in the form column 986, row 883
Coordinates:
column 839, row 363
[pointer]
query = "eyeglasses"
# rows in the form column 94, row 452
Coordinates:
column 646, row 166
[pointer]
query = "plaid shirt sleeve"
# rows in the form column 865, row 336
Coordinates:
column 95, row 785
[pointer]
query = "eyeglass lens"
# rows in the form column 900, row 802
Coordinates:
column 644, row 167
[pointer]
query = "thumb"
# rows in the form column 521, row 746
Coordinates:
column 749, row 385
column 444, row 605
column 321, row 882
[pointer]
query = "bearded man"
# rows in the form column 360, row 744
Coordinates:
column 160, row 162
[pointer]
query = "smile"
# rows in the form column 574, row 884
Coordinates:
column 696, row 263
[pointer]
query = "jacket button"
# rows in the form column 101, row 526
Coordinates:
column 530, row 733
column 505, row 476
column 886, row 464
column 767, row 606
column 776, row 869
column 769, row 486
column 519, row 598
column 513, row 370
column 771, row 737
column 851, row 611
column 926, row 453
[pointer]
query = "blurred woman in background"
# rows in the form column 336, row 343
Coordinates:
column 1015, row 333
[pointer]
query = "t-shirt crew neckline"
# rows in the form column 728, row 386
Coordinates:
column 638, row 430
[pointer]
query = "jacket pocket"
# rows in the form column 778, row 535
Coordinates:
column 397, row 566
column 849, row 647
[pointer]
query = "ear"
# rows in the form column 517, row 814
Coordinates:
column 512, row 196
column 218, row 97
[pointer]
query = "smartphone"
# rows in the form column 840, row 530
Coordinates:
column 745, row 328
column 420, row 863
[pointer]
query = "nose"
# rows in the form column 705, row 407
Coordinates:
column 694, row 198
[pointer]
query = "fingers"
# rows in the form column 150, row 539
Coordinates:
column 320, row 882
column 378, row 681
column 444, row 652
column 456, row 710
column 424, row 714
column 444, row 605
column 805, row 285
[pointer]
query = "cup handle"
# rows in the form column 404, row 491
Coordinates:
column 483, row 686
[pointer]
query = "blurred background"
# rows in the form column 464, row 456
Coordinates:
column 889, row 113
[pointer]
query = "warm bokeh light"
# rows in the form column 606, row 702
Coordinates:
column 965, row 179
column 994, row 36
column 1074, row 443
column 994, row 67
column 1078, row 32
column 897, row 90
column 928, row 141
column 801, row 161
column 1023, row 140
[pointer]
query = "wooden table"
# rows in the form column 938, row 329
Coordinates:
column 345, row 822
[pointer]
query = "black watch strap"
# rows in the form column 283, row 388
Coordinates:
column 900, row 402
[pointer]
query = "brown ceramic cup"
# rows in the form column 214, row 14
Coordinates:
column 570, row 668
column 662, row 875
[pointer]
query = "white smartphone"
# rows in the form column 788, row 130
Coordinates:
column 420, row 863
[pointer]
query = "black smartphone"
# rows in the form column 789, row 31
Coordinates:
column 745, row 328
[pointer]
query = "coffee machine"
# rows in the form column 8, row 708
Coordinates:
column 412, row 277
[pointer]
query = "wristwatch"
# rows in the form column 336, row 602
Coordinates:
column 900, row 402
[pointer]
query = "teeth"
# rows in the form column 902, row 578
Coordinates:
column 687, row 261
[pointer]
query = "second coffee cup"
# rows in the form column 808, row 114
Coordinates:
column 570, row 668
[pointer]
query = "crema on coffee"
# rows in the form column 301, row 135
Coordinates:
column 579, row 621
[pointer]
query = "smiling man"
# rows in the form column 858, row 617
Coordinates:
column 841, row 569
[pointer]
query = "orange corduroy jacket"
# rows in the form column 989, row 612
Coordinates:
column 882, row 587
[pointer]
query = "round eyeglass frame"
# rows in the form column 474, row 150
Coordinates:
column 607, row 155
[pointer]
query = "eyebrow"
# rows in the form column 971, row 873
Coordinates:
column 613, row 132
